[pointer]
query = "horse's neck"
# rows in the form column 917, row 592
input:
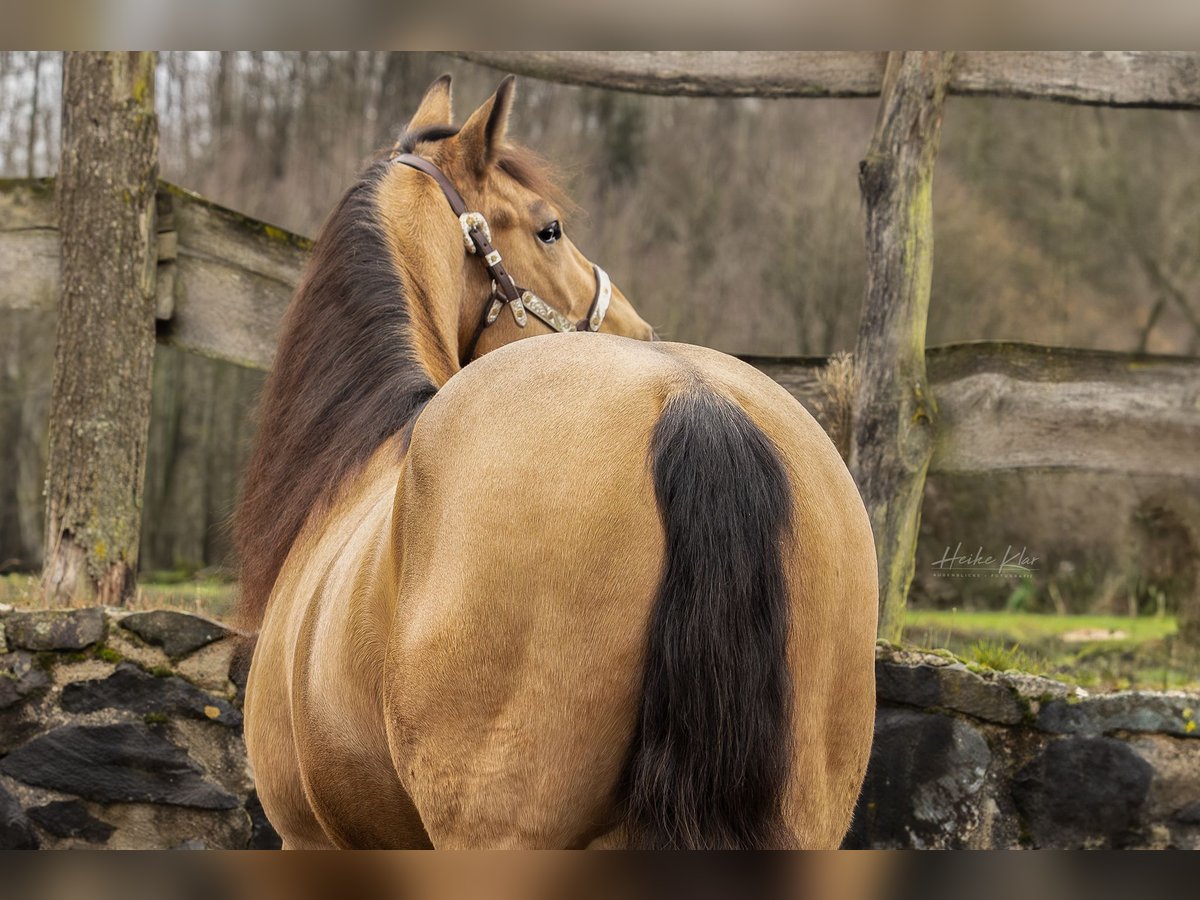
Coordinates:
column 433, row 298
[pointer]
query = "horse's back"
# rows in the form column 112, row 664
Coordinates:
column 531, row 550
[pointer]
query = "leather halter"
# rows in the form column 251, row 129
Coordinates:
column 477, row 238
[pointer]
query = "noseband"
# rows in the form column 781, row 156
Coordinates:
column 477, row 238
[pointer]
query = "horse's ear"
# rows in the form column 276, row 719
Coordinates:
column 435, row 108
column 483, row 134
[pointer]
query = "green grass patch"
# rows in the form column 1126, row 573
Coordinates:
column 206, row 596
column 1033, row 626
column 1094, row 652
column 1001, row 657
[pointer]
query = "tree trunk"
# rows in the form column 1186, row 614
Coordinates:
column 104, row 343
column 894, row 411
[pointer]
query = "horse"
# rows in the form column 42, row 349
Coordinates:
column 589, row 589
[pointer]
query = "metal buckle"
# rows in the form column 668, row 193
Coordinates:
column 474, row 221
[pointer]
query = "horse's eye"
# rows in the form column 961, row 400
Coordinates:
column 550, row 233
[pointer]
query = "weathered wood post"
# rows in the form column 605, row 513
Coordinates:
column 894, row 412
column 104, row 343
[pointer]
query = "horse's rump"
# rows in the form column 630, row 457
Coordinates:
column 603, row 545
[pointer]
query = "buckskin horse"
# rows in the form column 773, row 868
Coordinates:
column 592, row 589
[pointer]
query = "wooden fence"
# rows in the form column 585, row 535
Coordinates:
column 224, row 280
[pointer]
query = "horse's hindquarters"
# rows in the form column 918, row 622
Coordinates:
column 530, row 550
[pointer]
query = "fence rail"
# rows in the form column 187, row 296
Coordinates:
column 1107, row 77
column 1011, row 406
column 224, row 279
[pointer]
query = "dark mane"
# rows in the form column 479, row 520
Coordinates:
column 345, row 379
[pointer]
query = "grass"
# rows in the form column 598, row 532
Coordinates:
column 1002, row 657
column 206, row 596
column 1034, row 626
column 1095, row 652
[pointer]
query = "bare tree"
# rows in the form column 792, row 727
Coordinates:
column 104, row 347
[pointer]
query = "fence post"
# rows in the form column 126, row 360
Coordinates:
column 104, row 341
column 894, row 412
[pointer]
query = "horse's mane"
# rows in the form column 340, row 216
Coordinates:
column 346, row 376
column 345, row 379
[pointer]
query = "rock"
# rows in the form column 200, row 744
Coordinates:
column 17, row 725
column 137, row 691
column 923, row 783
column 1189, row 815
column 115, row 763
column 951, row 686
column 1125, row 711
column 15, row 831
column 1038, row 688
column 908, row 656
column 263, row 835
column 20, row 676
column 149, row 826
column 1082, row 792
column 88, row 669
column 55, row 629
column 209, row 667
column 177, row 633
column 1174, row 787
column 71, row 819
column 21, row 680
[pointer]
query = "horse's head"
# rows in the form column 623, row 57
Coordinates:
column 523, row 216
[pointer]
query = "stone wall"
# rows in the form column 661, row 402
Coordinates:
column 124, row 730
column 965, row 758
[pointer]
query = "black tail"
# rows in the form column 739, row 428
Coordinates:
column 712, row 750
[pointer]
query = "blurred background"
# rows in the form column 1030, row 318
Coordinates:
column 731, row 223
